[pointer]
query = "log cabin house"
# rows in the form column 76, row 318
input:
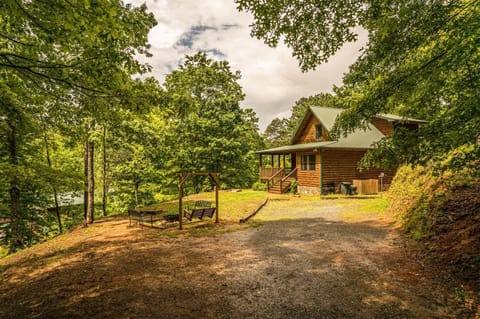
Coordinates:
column 321, row 165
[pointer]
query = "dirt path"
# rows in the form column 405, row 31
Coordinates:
column 307, row 260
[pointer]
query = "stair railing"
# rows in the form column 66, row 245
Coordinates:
column 293, row 173
column 272, row 178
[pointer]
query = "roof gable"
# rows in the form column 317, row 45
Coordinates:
column 325, row 115
column 359, row 138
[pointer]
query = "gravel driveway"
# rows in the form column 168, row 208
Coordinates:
column 307, row 259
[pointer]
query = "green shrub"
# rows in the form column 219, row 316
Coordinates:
column 294, row 187
column 417, row 192
column 259, row 186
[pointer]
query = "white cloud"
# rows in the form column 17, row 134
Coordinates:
column 164, row 36
column 271, row 78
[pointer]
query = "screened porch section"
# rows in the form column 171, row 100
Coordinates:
column 271, row 164
column 278, row 170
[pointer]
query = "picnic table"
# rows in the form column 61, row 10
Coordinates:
column 143, row 216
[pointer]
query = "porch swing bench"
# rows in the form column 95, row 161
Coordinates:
column 200, row 209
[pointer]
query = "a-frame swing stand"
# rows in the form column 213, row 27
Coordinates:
column 182, row 178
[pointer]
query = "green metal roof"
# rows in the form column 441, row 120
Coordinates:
column 358, row 139
column 394, row 118
column 326, row 115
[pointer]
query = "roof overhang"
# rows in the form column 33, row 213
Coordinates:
column 311, row 146
column 400, row 119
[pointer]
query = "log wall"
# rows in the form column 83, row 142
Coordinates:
column 342, row 166
column 383, row 126
column 339, row 166
column 308, row 178
column 308, row 131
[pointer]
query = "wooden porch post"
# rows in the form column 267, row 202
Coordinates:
column 321, row 171
column 271, row 155
column 284, row 160
column 260, row 167
column 278, row 160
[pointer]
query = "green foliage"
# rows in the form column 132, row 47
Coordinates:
column 416, row 193
column 465, row 157
column 294, row 187
column 276, row 134
column 259, row 186
column 69, row 73
column 462, row 294
column 70, row 43
column 421, row 61
column 63, row 65
column 315, row 30
column 208, row 131
column 135, row 166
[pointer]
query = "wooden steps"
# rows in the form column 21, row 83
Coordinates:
column 275, row 189
column 279, row 183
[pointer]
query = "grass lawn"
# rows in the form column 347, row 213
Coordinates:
column 235, row 205
column 232, row 205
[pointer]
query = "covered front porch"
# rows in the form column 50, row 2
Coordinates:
column 280, row 166
column 277, row 169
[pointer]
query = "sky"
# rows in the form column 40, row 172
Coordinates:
column 271, row 78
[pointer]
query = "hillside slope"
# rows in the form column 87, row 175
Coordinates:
column 442, row 212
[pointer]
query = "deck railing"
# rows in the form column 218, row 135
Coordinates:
column 267, row 172
column 275, row 177
column 292, row 174
column 288, row 177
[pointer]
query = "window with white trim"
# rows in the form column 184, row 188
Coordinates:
column 307, row 162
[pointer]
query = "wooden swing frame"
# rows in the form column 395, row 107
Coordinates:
column 182, row 179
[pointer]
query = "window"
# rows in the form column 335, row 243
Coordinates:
column 318, row 131
column 308, row 162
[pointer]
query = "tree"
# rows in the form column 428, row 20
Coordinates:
column 422, row 60
column 276, row 134
column 315, row 30
column 208, row 129
column 135, row 166
column 62, row 43
column 67, row 51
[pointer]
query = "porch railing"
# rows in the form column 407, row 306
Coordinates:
column 288, row 177
column 275, row 177
column 267, row 172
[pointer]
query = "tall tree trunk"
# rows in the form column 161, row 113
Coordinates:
column 105, row 185
column 49, row 161
column 85, row 182
column 135, row 186
column 16, row 223
column 91, row 183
